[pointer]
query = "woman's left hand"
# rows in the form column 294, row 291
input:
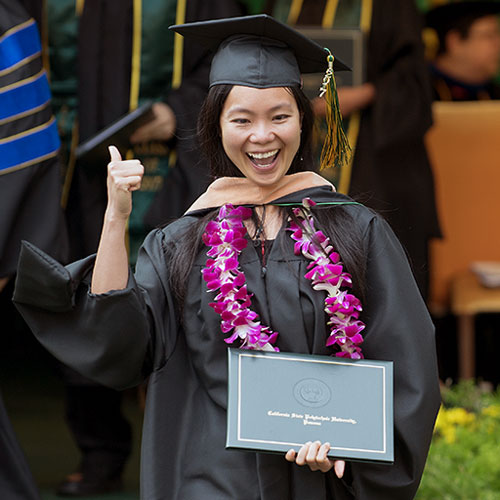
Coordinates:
column 315, row 456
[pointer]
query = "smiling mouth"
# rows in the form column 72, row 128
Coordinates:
column 263, row 160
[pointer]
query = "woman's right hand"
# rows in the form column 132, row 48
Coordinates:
column 124, row 176
column 315, row 455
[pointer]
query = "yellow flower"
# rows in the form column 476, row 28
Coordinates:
column 449, row 419
column 460, row 416
column 449, row 434
column 491, row 411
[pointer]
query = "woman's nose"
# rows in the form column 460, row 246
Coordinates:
column 262, row 133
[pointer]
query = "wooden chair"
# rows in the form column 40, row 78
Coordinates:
column 464, row 148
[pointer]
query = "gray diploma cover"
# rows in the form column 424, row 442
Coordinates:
column 93, row 153
column 278, row 401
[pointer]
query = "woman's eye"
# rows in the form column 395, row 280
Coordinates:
column 280, row 118
column 240, row 121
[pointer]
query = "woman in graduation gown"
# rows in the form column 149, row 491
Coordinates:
column 164, row 322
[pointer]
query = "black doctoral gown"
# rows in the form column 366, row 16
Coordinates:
column 391, row 171
column 30, row 174
column 104, row 89
column 121, row 337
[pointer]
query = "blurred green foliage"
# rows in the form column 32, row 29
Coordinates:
column 463, row 462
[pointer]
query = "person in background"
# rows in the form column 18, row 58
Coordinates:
column 30, row 192
column 30, row 172
column 106, row 58
column 385, row 118
column 467, row 59
column 463, row 39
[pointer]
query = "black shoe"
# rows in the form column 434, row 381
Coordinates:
column 77, row 485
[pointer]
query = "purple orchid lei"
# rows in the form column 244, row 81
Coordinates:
column 326, row 273
column 226, row 237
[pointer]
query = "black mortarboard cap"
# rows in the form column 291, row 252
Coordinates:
column 453, row 15
column 257, row 51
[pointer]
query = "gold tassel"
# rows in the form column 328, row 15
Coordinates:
column 336, row 150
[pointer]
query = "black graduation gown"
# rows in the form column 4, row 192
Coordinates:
column 29, row 192
column 121, row 337
column 30, row 174
column 391, row 172
column 104, row 69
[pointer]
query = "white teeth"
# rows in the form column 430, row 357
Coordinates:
column 261, row 156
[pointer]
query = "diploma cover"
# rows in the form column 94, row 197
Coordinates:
column 93, row 153
column 278, row 401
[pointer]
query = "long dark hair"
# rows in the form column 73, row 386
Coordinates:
column 335, row 222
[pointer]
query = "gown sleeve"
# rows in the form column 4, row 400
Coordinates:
column 115, row 338
column 399, row 328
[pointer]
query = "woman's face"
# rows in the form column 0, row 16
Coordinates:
column 261, row 132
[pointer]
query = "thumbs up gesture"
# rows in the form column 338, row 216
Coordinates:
column 124, row 176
